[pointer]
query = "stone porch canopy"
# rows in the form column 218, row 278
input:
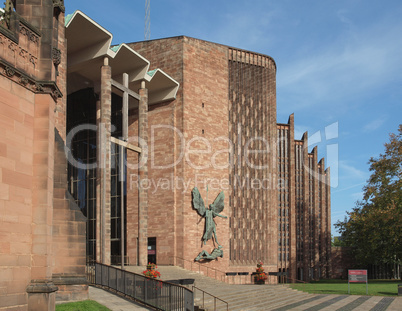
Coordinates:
column 88, row 44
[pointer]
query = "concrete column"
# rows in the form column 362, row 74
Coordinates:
column 98, row 181
column 123, row 168
column 104, row 161
column 143, row 174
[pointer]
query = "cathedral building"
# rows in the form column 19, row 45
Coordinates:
column 102, row 147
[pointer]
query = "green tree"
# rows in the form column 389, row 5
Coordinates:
column 373, row 229
column 337, row 241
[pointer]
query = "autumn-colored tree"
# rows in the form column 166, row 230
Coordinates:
column 373, row 229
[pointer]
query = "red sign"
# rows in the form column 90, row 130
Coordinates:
column 357, row 276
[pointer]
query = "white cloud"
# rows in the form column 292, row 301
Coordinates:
column 358, row 63
column 349, row 187
column 374, row 125
column 348, row 171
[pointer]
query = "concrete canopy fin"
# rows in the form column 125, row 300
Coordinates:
column 86, row 40
column 124, row 59
column 160, row 85
column 88, row 44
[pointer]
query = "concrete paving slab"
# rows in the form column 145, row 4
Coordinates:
column 114, row 302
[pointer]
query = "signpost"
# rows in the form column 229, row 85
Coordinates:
column 357, row 276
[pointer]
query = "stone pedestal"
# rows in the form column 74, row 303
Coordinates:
column 41, row 295
column 71, row 287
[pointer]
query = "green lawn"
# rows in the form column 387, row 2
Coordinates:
column 340, row 287
column 87, row 305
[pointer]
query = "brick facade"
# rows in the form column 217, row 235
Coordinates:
column 175, row 130
column 303, row 209
column 276, row 193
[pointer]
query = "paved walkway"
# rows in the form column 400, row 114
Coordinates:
column 315, row 302
column 112, row 301
column 244, row 297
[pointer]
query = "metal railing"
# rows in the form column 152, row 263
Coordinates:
column 208, row 271
column 159, row 294
column 220, row 307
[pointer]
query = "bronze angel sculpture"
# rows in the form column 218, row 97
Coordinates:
column 209, row 214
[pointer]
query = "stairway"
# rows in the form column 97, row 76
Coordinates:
column 239, row 297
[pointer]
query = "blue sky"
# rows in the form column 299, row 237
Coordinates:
column 339, row 66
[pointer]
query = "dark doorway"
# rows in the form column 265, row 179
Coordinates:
column 152, row 250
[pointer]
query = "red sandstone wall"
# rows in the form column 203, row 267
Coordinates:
column 164, row 151
column 27, row 190
column 206, row 128
column 160, row 177
column 201, row 114
column 69, row 235
column 198, row 66
column 69, row 223
column 16, row 197
column 30, row 168
column 204, row 112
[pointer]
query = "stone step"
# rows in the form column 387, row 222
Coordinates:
column 227, row 292
column 240, row 300
column 243, row 302
column 239, row 297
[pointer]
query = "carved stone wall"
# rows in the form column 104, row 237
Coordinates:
column 19, row 58
column 24, row 54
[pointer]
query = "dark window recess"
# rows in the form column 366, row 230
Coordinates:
column 152, row 250
column 81, row 110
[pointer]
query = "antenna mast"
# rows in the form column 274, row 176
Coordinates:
column 147, row 30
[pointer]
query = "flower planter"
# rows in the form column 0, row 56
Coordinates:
column 260, row 276
column 151, row 271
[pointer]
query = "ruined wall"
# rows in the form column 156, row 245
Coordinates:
column 17, row 112
column 32, row 172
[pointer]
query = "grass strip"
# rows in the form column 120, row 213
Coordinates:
column 340, row 287
column 86, row 305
